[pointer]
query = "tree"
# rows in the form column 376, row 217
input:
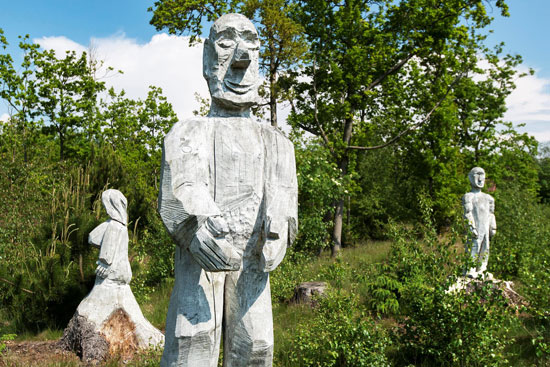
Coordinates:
column 282, row 44
column 377, row 70
column 17, row 88
column 67, row 94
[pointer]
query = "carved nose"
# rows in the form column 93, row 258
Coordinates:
column 241, row 58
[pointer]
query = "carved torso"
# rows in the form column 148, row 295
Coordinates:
column 479, row 209
column 229, row 166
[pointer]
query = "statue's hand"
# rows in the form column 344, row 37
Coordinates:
column 211, row 249
column 102, row 270
column 474, row 232
column 217, row 226
column 274, row 248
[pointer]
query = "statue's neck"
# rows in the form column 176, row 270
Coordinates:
column 476, row 190
column 217, row 110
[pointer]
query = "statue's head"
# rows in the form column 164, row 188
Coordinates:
column 230, row 65
column 115, row 204
column 477, row 177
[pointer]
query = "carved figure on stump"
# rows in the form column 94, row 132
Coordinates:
column 228, row 197
column 109, row 320
column 479, row 212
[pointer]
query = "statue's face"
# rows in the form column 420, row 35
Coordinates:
column 230, row 62
column 477, row 177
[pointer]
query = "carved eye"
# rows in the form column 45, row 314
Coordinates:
column 226, row 43
column 251, row 43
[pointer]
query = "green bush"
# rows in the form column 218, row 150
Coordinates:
column 535, row 277
column 319, row 185
column 523, row 229
column 418, row 259
column 3, row 338
column 288, row 275
column 339, row 335
column 49, row 268
column 463, row 328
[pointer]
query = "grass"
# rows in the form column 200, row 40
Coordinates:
column 350, row 272
column 44, row 335
column 156, row 308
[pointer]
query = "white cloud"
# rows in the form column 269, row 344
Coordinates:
column 165, row 61
column 4, row 117
column 530, row 101
column 542, row 136
column 59, row 44
column 168, row 62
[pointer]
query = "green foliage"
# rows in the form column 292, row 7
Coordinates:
column 58, row 151
column 3, row 338
column 287, row 276
column 522, row 228
column 339, row 335
column 463, row 328
column 526, row 247
column 543, row 168
column 66, row 97
column 319, row 185
column 48, row 268
column 418, row 259
column 403, row 73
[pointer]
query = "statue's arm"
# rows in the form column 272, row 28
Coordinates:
column 468, row 206
column 492, row 219
column 282, row 202
column 185, row 204
column 110, row 244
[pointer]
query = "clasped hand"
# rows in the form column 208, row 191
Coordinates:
column 211, row 249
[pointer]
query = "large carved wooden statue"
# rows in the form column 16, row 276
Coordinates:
column 228, row 197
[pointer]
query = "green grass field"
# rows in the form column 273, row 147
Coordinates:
column 349, row 273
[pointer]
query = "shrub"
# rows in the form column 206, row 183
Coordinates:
column 3, row 338
column 462, row 328
column 288, row 275
column 523, row 229
column 339, row 335
column 418, row 259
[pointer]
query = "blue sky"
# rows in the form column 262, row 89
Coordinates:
column 78, row 20
column 120, row 31
column 526, row 32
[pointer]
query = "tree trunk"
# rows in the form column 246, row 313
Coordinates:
column 337, row 229
column 61, row 146
column 272, row 86
column 339, row 208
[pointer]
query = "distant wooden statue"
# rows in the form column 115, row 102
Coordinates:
column 479, row 211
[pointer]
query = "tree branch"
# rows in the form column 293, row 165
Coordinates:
column 413, row 126
column 12, row 283
column 308, row 129
column 391, row 70
column 316, row 116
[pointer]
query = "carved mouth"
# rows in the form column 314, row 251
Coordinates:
column 238, row 88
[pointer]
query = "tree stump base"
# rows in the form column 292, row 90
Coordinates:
column 470, row 285
column 109, row 322
column 305, row 293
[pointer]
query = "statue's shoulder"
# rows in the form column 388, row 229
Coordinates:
column 275, row 133
column 467, row 197
column 188, row 127
column 489, row 198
